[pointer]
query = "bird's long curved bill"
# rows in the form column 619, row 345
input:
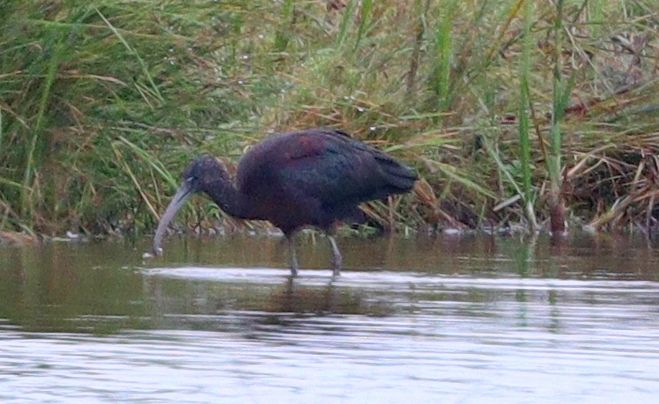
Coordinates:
column 181, row 196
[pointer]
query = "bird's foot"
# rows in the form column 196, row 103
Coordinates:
column 292, row 256
column 337, row 263
column 337, row 259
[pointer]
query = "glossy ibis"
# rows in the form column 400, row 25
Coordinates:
column 311, row 177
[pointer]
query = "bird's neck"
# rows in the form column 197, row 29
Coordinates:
column 225, row 194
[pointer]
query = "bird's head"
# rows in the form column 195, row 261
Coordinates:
column 201, row 173
column 199, row 176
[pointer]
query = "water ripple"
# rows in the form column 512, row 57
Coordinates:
column 454, row 338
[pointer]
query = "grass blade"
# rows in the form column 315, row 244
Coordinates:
column 523, row 127
column 367, row 6
column 444, row 54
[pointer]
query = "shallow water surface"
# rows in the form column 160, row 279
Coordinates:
column 450, row 319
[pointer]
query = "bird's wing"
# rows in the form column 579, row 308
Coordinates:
column 328, row 165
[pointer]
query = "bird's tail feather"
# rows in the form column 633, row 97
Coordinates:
column 399, row 177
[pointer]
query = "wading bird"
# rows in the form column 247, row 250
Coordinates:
column 312, row 177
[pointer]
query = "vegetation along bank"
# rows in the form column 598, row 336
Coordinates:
column 513, row 112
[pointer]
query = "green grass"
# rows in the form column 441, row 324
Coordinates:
column 527, row 196
column 502, row 106
column 560, row 98
column 444, row 48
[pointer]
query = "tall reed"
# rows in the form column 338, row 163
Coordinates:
column 346, row 22
column 560, row 97
column 528, row 198
column 282, row 35
column 444, row 49
column 365, row 20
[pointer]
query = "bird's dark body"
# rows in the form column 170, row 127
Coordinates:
column 314, row 177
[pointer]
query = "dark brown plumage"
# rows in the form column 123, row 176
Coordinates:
column 312, row 177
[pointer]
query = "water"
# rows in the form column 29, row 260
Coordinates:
column 450, row 319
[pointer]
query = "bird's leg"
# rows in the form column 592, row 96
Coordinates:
column 292, row 255
column 337, row 260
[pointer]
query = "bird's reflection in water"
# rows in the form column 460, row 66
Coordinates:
column 292, row 297
column 224, row 304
